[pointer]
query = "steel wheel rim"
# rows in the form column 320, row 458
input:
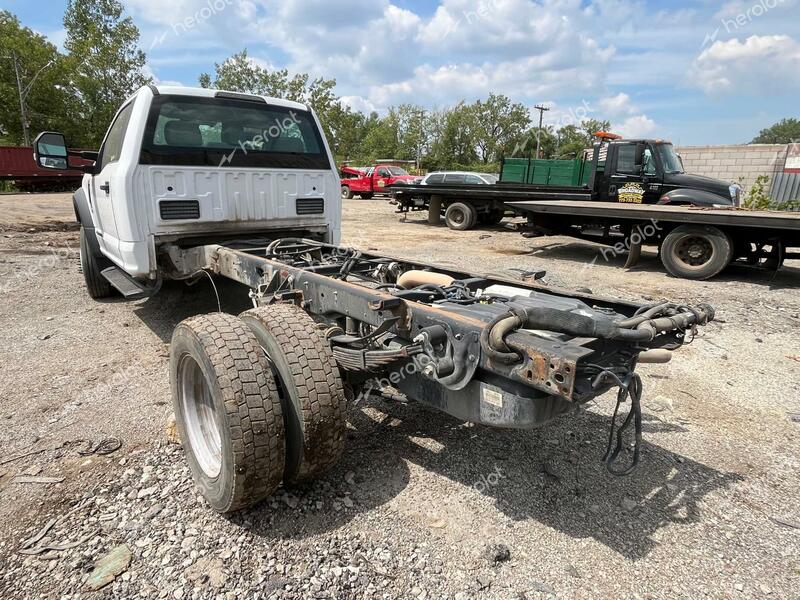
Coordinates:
column 200, row 417
column 344, row 192
column 694, row 250
column 459, row 217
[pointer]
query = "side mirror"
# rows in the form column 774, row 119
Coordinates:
column 50, row 151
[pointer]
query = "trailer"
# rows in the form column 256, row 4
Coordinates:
column 693, row 242
column 17, row 165
column 260, row 397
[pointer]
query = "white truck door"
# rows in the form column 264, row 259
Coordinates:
column 105, row 186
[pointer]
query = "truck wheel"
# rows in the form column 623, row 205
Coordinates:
column 227, row 410
column 696, row 251
column 97, row 285
column 460, row 216
column 310, row 387
column 347, row 193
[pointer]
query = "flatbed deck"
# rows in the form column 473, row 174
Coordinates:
column 498, row 191
column 683, row 214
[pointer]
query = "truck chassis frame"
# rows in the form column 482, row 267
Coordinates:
column 490, row 350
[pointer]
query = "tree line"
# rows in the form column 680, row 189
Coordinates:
column 78, row 92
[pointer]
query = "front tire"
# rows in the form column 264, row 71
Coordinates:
column 91, row 265
column 227, row 410
column 312, row 393
column 347, row 193
column 460, row 216
column 696, row 251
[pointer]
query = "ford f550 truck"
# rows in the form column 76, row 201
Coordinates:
column 195, row 183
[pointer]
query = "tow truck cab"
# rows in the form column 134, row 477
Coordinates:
column 368, row 181
column 182, row 165
column 651, row 172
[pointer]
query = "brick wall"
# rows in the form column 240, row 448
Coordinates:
column 732, row 163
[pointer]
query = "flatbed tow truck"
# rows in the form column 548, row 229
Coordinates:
column 260, row 398
column 634, row 193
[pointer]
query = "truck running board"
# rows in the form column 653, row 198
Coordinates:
column 127, row 285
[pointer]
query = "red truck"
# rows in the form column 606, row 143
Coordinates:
column 368, row 181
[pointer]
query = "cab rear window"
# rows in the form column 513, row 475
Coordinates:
column 220, row 132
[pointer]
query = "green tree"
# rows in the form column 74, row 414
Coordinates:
column 785, row 131
column 239, row 73
column 380, row 140
column 347, row 129
column 498, row 124
column 453, row 135
column 43, row 73
column 106, row 63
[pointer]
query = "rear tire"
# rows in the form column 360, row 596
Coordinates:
column 696, row 251
column 347, row 193
column 227, row 410
column 460, row 216
column 311, row 388
column 91, row 265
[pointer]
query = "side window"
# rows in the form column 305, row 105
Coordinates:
column 473, row 180
column 626, row 158
column 649, row 162
column 436, row 178
column 384, row 173
column 112, row 146
column 454, row 178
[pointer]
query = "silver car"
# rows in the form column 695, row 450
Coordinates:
column 459, row 178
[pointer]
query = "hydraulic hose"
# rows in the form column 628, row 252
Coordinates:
column 641, row 328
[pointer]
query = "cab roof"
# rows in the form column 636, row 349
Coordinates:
column 176, row 90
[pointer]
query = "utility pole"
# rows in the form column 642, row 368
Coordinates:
column 541, row 110
column 421, row 114
column 23, row 92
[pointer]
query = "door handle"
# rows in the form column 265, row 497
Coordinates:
column 105, row 187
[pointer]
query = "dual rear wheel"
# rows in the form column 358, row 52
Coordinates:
column 258, row 401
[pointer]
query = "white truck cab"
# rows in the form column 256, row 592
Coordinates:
column 189, row 165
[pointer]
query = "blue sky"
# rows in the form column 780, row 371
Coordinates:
column 698, row 72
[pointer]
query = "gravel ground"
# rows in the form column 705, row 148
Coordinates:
column 422, row 505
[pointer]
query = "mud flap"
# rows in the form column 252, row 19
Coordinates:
column 634, row 253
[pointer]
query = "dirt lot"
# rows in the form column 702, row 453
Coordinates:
column 419, row 500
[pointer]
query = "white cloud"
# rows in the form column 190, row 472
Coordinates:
column 625, row 117
column 617, row 105
column 760, row 65
column 639, row 126
column 358, row 103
